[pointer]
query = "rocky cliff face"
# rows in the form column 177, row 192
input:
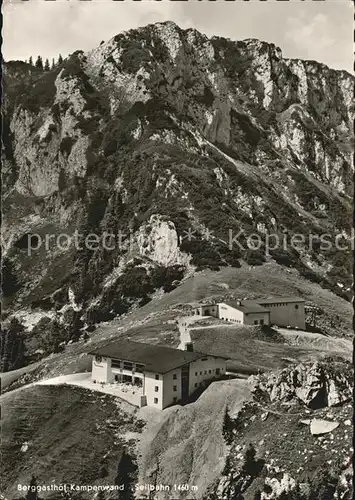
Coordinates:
column 316, row 386
column 284, row 446
column 159, row 132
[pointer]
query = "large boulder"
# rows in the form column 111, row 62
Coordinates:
column 317, row 385
column 319, row 426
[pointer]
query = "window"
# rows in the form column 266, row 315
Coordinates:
column 156, row 377
column 256, row 322
column 205, row 372
column 98, row 359
column 175, row 388
column 203, row 359
column 156, row 388
column 196, row 385
column 209, row 371
column 116, row 363
column 217, row 371
column 296, row 306
column 127, row 365
column 200, row 373
column 261, row 321
column 174, row 376
column 174, row 399
column 156, row 401
column 196, row 373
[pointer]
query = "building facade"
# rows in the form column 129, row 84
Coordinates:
column 288, row 312
column 163, row 375
column 244, row 315
column 283, row 311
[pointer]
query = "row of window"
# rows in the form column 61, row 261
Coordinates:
column 156, row 388
column 215, row 370
column 281, row 304
column 157, row 377
column 156, row 400
column 127, row 365
column 256, row 322
column 232, row 320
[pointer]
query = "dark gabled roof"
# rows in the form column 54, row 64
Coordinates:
column 156, row 358
column 276, row 300
column 246, row 307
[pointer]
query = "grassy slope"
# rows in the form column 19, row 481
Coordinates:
column 248, row 353
column 155, row 321
column 69, row 431
column 196, row 445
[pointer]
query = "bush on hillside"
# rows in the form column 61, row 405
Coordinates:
column 254, row 257
column 66, row 145
column 42, row 93
column 12, row 346
column 164, row 277
column 49, row 334
column 203, row 253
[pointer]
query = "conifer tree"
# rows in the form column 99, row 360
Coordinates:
column 53, row 63
column 46, row 65
column 125, row 475
column 32, row 493
column 39, row 63
column 228, row 427
column 12, row 346
column 60, row 59
column 30, row 61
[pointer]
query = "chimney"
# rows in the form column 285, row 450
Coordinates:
column 189, row 346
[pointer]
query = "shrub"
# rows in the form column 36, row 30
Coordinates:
column 66, row 145
column 282, row 257
column 254, row 257
column 42, row 93
column 251, row 466
column 164, row 277
column 12, row 346
column 204, row 254
column 9, row 281
column 207, row 98
column 135, row 283
column 228, row 427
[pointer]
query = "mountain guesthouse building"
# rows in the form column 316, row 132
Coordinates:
column 162, row 375
column 281, row 311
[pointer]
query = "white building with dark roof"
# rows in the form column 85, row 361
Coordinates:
column 284, row 311
column 281, row 311
column 163, row 375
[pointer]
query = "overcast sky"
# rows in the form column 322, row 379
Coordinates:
column 322, row 31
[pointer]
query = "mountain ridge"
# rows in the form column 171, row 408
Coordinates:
column 162, row 132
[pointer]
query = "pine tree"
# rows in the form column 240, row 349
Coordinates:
column 53, row 63
column 9, row 281
column 12, row 346
column 61, row 181
column 30, row 61
column 60, row 59
column 46, row 65
column 32, row 493
column 249, row 460
column 228, row 427
column 125, row 476
column 39, row 63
